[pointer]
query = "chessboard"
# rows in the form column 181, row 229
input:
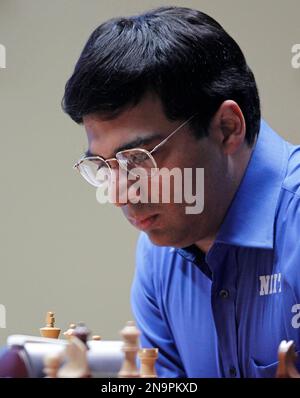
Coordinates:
column 76, row 355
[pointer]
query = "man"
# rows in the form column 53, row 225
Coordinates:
column 216, row 291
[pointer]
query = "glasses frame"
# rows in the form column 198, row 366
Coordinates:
column 149, row 153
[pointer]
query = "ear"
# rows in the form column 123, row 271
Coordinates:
column 228, row 127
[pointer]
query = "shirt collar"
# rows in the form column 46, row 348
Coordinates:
column 250, row 219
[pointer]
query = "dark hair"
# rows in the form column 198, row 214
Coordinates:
column 181, row 54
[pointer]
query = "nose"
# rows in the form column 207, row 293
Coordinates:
column 116, row 195
column 118, row 189
column 126, row 188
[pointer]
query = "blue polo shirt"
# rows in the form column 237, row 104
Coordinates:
column 224, row 313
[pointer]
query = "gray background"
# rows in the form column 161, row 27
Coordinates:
column 60, row 249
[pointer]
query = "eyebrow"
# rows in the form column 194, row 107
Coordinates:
column 137, row 142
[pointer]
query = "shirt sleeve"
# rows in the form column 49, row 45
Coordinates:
column 144, row 301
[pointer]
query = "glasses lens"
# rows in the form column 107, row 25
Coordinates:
column 137, row 162
column 94, row 170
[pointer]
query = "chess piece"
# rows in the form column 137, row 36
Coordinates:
column 82, row 333
column 287, row 358
column 52, row 363
column 70, row 331
column 76, row 364
column 50, row 330
column 13, row 362
column 148, row 357
column 96, row 338
column 130, row 335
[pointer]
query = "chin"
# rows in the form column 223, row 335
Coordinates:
column 159, row 238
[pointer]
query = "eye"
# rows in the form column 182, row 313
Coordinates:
column 102, row 166
column 138, row 158
column 98, row 164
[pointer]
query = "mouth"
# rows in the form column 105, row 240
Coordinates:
column 143, row 223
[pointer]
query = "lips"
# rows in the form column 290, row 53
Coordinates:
column 143, row 223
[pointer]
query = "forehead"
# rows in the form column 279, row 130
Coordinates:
column 141, row 120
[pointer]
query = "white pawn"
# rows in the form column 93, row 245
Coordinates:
column 148, row 357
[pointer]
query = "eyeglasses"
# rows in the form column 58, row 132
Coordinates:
column 129, row 160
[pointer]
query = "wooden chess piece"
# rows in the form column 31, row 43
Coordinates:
column 96, row 338
column 130, row 335
column 287, row 358
column 70, row 331
column 52, row 362
column 76, row 364
column 50, row 330
column 148, row 357
column 14, row 362
column 82, row 333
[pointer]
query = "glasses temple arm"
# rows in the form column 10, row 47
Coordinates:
column 171, row 135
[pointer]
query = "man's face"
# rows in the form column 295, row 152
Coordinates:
column 166, row 224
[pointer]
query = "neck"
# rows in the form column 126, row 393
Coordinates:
column 239, row 165
column 205, row 244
